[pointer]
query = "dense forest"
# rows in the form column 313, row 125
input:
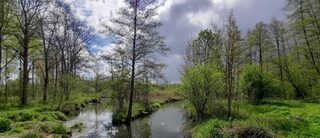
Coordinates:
column 264, row 82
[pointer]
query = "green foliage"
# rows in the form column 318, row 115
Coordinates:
column 209, row 129
column 32, row 135
column 208, row 40
column 302, row 79
column 256, row 84
column 59, row 129
column 118, row 117
column 271, row 119
column 51, row 116
column 77, row 126
column 245, row 132
column 25, row 116
column 201, row 83
column 5, row 125
column 156, row 105
column 21, row 116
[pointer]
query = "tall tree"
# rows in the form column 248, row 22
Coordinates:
column 207, row 47
column 260, row 40
column 304, row 24
column 277, row 32
column 6, row 8
column 231, row 48
column 27, row 23
column 48, row 26
column 70, row 42
column 136, row 30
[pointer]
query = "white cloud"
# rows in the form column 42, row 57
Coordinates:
column 181, row 19
column 197, row 18
column 95, row 11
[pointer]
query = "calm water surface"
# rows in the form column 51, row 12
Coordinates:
column 167, row 122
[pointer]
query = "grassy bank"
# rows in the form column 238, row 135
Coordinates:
column 274, row 118
column 41, row 120
column 34, row 120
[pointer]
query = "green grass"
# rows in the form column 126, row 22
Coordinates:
column 275, row 118
column 32, row 119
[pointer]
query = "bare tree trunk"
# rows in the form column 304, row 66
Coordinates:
column 279, row 59
column 260, row 50
column 6, row 75
column 46, row 64
column 25, row 81
column 56, row 77
column 133, row 65
column 1, row 40
column 33, row 83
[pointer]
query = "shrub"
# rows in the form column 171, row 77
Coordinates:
column 32, row 135
column 59, row 129
column 156, row 105
column 77, row 126
column 246, row 132
column 5, row 125
column 201, row 83
column 256, row 84
column 51, row 116
column 25, row 116
column 118, row 117
column 60, row 116
column 209, row 129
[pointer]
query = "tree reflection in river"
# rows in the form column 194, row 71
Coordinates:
column 167, row 122
column 139, row 129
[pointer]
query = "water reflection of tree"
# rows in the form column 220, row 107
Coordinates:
column 139, row 129
column 96, row 119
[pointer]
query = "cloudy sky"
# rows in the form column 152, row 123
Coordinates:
column 182, row 20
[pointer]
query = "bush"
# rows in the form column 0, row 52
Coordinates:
column 77, row 126
column 60, row 116
column 200, row 84
column 5, row 125
column 246, row 132
column 25, row 116
column 59, row 129
column 209, row 129
column 117, row 118
column 32, row 135
column 256, row 84
column 156, row 105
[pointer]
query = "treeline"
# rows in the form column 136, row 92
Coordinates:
column 280, row 59
column 42, row 49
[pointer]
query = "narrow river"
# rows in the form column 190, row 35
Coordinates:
column 167, row 122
